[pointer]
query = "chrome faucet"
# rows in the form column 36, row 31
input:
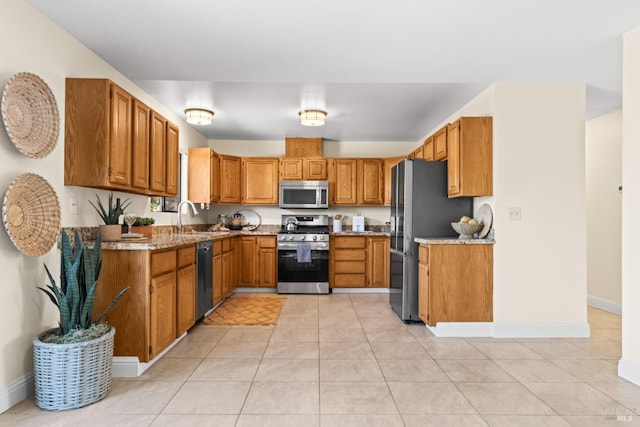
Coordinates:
column 193, row 209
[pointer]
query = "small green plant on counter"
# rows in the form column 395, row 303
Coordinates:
column 142, row 221
column 79, row 271
column 112, row 214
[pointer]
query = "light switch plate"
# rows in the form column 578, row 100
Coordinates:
column 73, row 205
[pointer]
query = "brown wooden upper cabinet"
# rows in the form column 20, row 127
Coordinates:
column 427, row 149
column 356, row 181
column 388, row 164
column 203, row 176
column 109, row 141
column 303, row 147
column 296, row 168
column 230, row 178
column 440, row 144
column 470, row 157
column 260, row 182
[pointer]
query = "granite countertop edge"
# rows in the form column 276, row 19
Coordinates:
column 452, row 241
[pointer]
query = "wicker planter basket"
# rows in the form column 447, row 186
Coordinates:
column 111, row 233
column 69, row 376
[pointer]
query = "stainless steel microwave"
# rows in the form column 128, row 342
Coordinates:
column 304, row 194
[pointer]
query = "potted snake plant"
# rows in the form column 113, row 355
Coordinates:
column 73, row 362
column 111, row 230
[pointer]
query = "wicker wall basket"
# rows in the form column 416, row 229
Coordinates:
column 30, row 115
column 69, row 376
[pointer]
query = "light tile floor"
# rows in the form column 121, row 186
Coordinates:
column 347, row 360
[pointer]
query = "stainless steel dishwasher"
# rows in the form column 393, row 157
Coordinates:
column 204, row 285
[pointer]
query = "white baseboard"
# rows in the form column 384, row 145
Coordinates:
column 256, row 290
column 630, row 371
column 541, row 330
column 360, row 290
column 605, row 304
column 131, row 367
column 462, row 329
column 15, row 392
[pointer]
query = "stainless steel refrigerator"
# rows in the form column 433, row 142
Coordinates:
column 420, row 207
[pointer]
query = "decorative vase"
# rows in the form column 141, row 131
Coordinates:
column 73, row 375
column 111, row 232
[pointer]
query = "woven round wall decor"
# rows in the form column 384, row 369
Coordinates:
column 30, row 115
column 31, row 214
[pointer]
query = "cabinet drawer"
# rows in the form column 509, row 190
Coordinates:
column 162, row 262
column 186, row 255
column 423, row 254
column 350, row 255
column 267, row 242
column 349, row 242
column 349, row 281
column 350, row 267
column 217, row 247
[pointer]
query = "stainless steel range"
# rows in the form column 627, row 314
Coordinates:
column 303, row 254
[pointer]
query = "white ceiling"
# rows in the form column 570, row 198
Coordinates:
column 384, row 71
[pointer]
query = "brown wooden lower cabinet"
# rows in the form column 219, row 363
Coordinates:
column 359, row 262
column 158, row 302
column 258, row 261
column 455, row 283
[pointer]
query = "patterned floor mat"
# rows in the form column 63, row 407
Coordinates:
column 248, row 309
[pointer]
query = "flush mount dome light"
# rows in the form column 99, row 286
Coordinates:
column 198, row 116
column 312, row 117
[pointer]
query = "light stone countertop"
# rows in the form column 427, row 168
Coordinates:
column 452, row 241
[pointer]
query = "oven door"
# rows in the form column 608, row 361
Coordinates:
column 303, row 277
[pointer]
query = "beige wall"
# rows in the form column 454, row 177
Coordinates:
column 538, row 165
column 33, row 44
column 629, row 366
column 604, row 206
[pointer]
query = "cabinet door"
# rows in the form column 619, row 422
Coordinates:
column 217, row 279
column 227, row 272
column 163, row 312
column 120, row 147
column 140, row 145
column 343, row 179
column 423, row 284
column 453, row 157
column 248, row 250
column 260, row 181
column 173, row 160
column 315, row 169
column 267, row 262
column 440, row 144
column 423, row 293
column 291, row 169
column 388, row 164
column 214, row 177
column 185, row 299
column 428, row 149
column 378, row 261
column 230, row 167
column 198, row 175
column 418, row 153
column 370, row 191
column 158, row 154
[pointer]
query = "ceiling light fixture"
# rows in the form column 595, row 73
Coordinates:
column 198, row 116
column 312, row 117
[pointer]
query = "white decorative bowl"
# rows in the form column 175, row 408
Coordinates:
column 466, row 230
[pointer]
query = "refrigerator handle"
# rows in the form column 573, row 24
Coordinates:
column 392, row 226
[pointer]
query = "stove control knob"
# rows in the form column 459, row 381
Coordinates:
column 304, row 238
column 290, row 237
column 321, row 237
column 315, row 237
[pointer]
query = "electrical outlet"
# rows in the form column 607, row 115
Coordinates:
column 73, row 205
column 515, row 214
